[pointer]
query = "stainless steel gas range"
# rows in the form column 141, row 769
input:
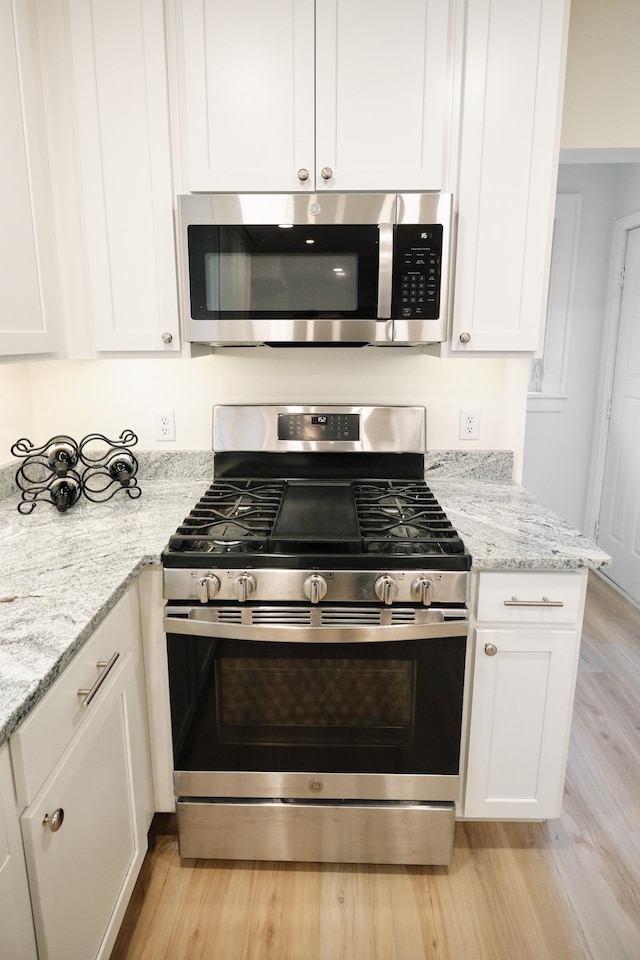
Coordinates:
column 316, row 626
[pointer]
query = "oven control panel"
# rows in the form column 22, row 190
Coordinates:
column 318, row 426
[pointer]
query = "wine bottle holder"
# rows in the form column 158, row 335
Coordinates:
column 61, row 471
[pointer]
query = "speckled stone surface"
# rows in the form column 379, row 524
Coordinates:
column 7, row 479
column 495, row 465
column 505, row 528
column 61, row 574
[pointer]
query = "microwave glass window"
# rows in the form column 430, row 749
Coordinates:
column 281, row 282
column 289, row 272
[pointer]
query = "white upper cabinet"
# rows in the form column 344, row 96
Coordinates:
column 29, row 298
column 122, row 121
column 325, row 95
column 509, row 139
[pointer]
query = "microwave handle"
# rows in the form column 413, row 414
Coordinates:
column 385, row 270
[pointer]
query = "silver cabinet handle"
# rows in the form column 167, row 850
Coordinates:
column 106, row 667
column 545, row 602
column 326, row 173
column 167, row 338
column 54, row 822
column 464, row 337
column 490, row 649
column 303, row 174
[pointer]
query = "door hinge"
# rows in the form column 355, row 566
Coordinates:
column 609, row 405
column 622, row 278
column 596, row 531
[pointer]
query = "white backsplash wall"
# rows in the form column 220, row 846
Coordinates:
column 106, row 396
column 16, row 408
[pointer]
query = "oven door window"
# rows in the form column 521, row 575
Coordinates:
column 288, row 272
column 360, row 708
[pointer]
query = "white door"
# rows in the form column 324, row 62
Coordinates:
column 247, row 97
column 619, row 530
column 77, row 875
column 29, row 291
column 382, row 72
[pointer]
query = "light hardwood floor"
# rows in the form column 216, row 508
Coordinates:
column 560, row 890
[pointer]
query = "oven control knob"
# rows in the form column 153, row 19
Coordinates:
column 386, row 589
column 207, row 588
column 244, row 586
column 422, row 590
column 315, row 588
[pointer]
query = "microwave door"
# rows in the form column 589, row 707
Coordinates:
column 385, row 271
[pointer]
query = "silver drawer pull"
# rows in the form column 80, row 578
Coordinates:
column 545, row 602
column 106, row 667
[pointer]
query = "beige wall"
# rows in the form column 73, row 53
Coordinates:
column 603, row 75
column 81, row 397
column 16, row 408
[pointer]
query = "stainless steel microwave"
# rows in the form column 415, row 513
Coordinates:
column 315, row 269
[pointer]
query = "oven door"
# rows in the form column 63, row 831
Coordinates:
column 266, row 270
column 339, row 716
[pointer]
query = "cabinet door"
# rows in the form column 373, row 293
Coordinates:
column 81, row 875
column 17, row 941
column 523, row 688
column 247, row 100
column 28, row 285
column 382, row 95
column 120, row 82
column 512, row 90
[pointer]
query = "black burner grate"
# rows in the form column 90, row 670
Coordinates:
column 403, row 518
column 310, row 519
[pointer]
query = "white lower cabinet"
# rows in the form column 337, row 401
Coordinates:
column 85, row 830
column 522, row 693
column 17, row 940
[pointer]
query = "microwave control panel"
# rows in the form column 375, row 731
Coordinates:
column 416, row 271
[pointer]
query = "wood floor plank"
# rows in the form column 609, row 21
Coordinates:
column 567, row 889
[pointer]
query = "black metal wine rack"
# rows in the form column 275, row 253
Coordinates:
column 61, row 471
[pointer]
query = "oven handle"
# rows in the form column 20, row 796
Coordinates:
column 303, row 633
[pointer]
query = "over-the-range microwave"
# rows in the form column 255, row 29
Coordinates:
column 315, row 269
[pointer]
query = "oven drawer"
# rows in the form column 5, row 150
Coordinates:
column 401, row 833
column 514, row 597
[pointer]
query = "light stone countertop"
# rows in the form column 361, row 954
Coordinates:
column 60, row 574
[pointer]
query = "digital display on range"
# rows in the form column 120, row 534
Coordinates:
column 318, row 426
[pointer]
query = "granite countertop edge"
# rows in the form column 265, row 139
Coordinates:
column 74, row 567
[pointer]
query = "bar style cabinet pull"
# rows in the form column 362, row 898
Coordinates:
column 545, row 602
column 106, row 667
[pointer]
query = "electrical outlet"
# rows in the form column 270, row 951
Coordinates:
column 469, row 424
column 165, row 425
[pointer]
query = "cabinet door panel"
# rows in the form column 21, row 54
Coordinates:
column 248, row 97
column 514, row 66
column 119, row 70
column 520, row 722
column 17, row 940
column 77, row 873
column 28, row 286
column 381, row 93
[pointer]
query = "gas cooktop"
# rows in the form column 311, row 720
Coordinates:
column 301, row 523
